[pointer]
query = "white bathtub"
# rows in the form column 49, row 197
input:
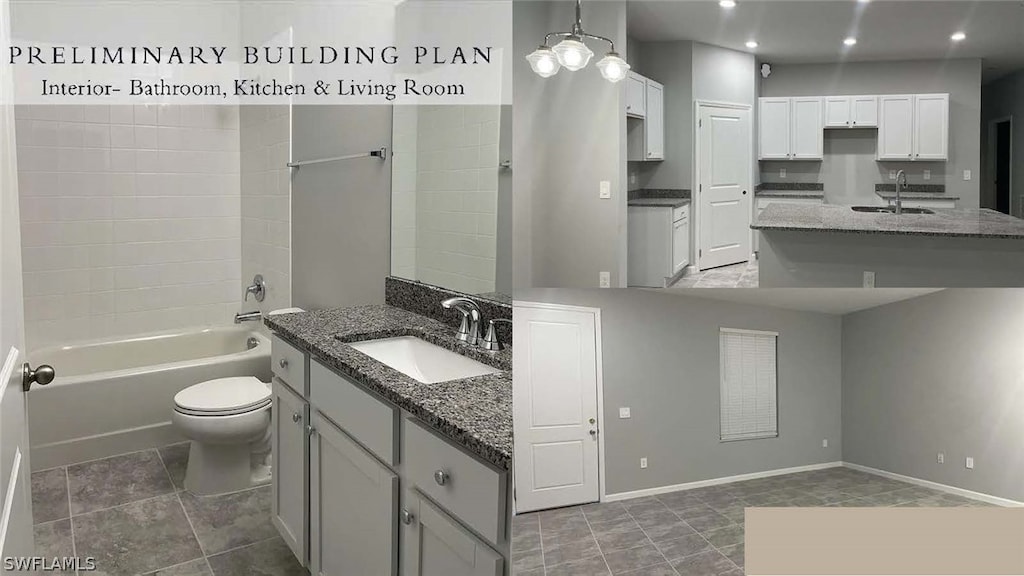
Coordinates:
column 117, row 396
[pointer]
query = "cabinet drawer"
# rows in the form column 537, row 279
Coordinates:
column 288, row 364
column 371, row 422
column 680, row 213
column 468, row 489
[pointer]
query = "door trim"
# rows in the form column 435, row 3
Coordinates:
column 599, row 371
column 695, row 185
column 993, row 163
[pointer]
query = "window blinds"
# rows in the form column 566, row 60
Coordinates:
column 749, row 407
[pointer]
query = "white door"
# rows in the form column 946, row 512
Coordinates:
column 896, row 127
column 837, row 112
column 774, row 121
column 724, row 188
column 808, row 129
column 554, row 406
column 931, row 127
column 865, row 111
column 655, row 123
column 16, row 516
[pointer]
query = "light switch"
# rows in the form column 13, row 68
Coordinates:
column 606, row 190
column 970, row 463
column 624, row 412
column 967, row 175
column 604, row 280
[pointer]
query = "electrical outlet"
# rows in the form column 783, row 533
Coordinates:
column 967, row 175
column 824, row 443
column 624, row 412
column 892, row 174
column 941, row 458
column 606, row 190
column 604, row 280
column 927, row 174
column 782, row 172
column 643, row 463
column 869, row 279
column 969, row 463
column 632, row 177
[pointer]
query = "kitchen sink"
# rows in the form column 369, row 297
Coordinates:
column 421, row 360
column 890, row 210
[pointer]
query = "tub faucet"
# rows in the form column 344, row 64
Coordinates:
column 253, row 316
column 469, row 329
column 901, row 185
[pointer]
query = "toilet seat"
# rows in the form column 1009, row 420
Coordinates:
column 223, row 397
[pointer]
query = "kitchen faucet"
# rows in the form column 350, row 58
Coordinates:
column 901, row 184
column 469, row 329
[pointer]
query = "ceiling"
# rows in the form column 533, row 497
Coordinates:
column 828, row 301
column 812, row 31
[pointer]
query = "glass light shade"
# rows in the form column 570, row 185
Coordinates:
column 613, row 68
column 544, row 62
column 573, row 54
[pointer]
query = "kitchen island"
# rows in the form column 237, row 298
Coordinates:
column 834, row 246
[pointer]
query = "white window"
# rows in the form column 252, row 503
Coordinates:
column 749, row 407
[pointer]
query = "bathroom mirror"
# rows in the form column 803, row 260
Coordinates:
column 451, row 205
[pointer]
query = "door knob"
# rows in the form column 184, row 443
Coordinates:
column 744, row 192
column 42, row 375
column 593, row 433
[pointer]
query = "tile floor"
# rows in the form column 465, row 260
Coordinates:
column 131, row 514
column 696, row 532
column 743, row 275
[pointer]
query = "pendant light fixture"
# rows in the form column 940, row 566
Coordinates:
column 573, row 53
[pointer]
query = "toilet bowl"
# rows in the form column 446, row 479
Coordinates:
column 228, row 422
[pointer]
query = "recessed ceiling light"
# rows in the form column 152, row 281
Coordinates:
column 751, row 44
column 850, row 41
column 958, row 37
column 727, row 3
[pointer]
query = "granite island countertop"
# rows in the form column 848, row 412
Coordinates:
column 475, row 413
column 958, row 222
column 659, row 202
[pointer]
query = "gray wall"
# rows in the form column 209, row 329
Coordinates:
column 941, row 373
column 850, row 171
column 340, row 210
column 568, row 136
column 660, row 355
column 1002, row 98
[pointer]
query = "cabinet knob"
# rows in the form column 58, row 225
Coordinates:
column 441, row 477
column 283, row 363
column 407, row 517
column 310, row 430
column 296, row 417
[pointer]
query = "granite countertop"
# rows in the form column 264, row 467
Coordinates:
column 660, row 202
column 960, row 222
column 811, row 194
column 910, row 195
column 475, row 413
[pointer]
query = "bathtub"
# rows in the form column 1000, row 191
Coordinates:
column 117, row 396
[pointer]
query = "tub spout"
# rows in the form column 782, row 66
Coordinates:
column 248, row 317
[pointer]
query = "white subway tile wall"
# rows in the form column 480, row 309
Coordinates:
column 456, row 198
column 266, row 202
column 403, row 192
column 130, row 219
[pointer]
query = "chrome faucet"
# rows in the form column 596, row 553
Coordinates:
column 901, row 185
column 253, row 316
column 491, row 341
column 469, row 329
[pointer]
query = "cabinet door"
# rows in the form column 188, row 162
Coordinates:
column 655, row 122
column 636, row 94
column 837, row 112
column 353, row 507
column 773, row 120
column 864, row 110
column 288, row 484
column 680, row 245
column 896, row 127
column 436, row 545
column 808, row 129
column 931, row 127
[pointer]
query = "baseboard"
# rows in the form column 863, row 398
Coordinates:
column 717, row 481
column 87, row 448
column 936, row 486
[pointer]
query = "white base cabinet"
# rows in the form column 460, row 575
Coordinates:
column 437, row 545
column 289, row 504
column 658, row 244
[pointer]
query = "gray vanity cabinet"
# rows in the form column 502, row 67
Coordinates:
column 288, row 498
column 353, row 507
column 437, row 545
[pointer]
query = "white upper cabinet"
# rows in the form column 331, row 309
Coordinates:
column 896, row 127
column 774, row 126
column 655, row 121
column 931, row 127
column 808, row 140
column 636, row 95
column 851, row 111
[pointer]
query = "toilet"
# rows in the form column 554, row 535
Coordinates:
column 228, row 422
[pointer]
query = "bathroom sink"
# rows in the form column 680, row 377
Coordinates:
column 890, row 210
column 422, row 360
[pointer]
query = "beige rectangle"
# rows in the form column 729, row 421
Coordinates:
column 933, row 541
